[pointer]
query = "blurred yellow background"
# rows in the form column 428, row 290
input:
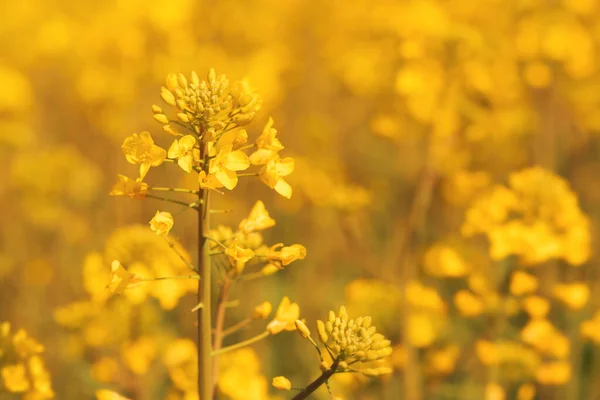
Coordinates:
column 446, row 183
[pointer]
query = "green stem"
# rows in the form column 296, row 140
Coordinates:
column 241, row 344
column 236, row 327
column 205, row 373
column 172, row 246
column 215, row 241
column 180, row 190
column 248, row 174
column 250, row 276
column 183, row 203
column 162, row 278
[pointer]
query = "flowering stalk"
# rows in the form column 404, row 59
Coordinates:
column 212, row 114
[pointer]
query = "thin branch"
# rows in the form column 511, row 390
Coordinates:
column 183, row 203
column 241, row 344
column 236, row 327
column 185, row 260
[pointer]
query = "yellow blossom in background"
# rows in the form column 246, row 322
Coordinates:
column 536, row 306
column 161, row 223
column 574, row 295
column 522, row 283
column 281, row 383
column 542, row 335
column 240, row 377
column 547, row 223
column 287, row 313
column 139, row 354
column 15, row 378
column 105, row 394
column 262, row 311
column 22, row 370
column 468, row 304
column 105, row 369
column 442, row 361
column 443, row 261
column 494, row 391
column 140, row 149
column 554, row 373
column 526, row 392
column 182, row 150
column 129, row 187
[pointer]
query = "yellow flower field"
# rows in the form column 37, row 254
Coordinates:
column 269, row 200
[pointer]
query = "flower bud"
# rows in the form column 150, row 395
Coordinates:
column 282, row 383
column 302, row 329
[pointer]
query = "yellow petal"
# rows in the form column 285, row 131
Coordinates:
column 283, row 188
column 229, row 179
column 174, row 150
column 237, row 161
column 285, row 166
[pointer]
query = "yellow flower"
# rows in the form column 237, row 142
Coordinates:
column 139, row 354
column 129, row 187
column 468, row 304
column 161, row 223
column 105, row 394
column 271, row 174
column 522, row 283
column 140, row 149
column 268, row 145
column 225, row 165
column 287, row 254
column 258, row 219
column 526, row 392
column 574, row 295
column 15, row 378
column 182, row 150
column 238, row 256
column 494, row 391
column 554, row 373
column 443, row 261
column 209, row 181
column 591, row 328
column 536, row 306
column 287, row 314
column 282, row 383
column 121, row 279
column 262, row 311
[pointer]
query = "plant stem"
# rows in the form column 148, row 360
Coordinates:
column 183, row 203
column 219, row 323
column 179, row 190
column 318, row 382
column 236, row 327
column 172, row 246
column 163, row 278
column 241, row 344
column 205, row 373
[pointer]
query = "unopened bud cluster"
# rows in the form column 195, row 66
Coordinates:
column 206, row 106
column 353, row 340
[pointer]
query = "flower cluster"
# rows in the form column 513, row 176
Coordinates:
column 353, row 341
column 244, row 247
column 537, row 218
column 22, row 370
